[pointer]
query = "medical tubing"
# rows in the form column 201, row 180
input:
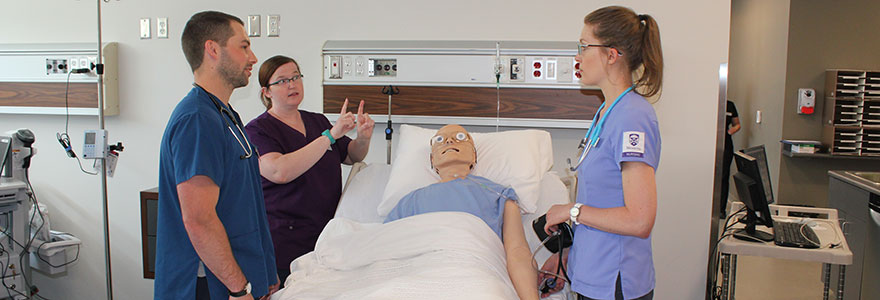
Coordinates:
column 489, row 189
column 497, row 85
column 66, row 105
column 535, row 252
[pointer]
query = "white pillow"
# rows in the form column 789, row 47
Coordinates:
column 516, row 158
column 362, row 195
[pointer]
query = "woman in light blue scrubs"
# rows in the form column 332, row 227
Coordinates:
column 611, row 257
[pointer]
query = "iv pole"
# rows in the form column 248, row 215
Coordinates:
column 99, row 68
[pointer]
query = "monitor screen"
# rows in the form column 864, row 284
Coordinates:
column 4, row 152
column 751, row 191
column 761, row 157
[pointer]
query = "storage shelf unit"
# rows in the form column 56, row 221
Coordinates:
column 852, row 112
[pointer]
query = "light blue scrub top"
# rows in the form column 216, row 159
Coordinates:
column 197, row 142
column 631, row 133
column 479, row 197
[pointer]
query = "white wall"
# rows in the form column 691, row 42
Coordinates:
column 154, row 76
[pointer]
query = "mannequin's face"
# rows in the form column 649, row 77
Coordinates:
column 452, row 146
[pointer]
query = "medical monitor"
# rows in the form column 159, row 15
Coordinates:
column 750, row 188
column 5, row 143
column 761, row 156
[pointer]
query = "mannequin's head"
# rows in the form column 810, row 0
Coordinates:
column 453, row 148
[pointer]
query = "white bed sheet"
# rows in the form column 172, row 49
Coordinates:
column 346, row 264
column 443, row 255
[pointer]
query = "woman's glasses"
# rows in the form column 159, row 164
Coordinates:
column 286, row 80
column 583, row 47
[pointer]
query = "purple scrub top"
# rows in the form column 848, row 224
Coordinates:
column 298, row 210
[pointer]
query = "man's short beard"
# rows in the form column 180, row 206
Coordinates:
column 235, row 78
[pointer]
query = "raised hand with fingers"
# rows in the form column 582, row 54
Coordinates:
column 345, row 123
column 365, row 124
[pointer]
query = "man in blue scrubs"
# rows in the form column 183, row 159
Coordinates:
column 211, row 212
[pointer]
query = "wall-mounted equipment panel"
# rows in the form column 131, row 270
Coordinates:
column 451, row 63
column 505, row 83
column 34, row 79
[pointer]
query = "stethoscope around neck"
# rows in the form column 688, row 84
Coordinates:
column 248, row 150
column 592, row 137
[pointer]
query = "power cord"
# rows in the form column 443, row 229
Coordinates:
column 714, row 289
column 36, row 204
column 64, row 138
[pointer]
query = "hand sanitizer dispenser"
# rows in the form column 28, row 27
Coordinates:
column 806, row 101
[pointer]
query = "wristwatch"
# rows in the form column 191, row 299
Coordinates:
column 575, row 212
column 246, row 290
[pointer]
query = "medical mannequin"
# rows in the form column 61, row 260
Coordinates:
column 453, row 156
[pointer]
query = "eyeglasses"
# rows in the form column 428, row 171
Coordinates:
column 583, row 47
column 286, row 80
column 459, row 136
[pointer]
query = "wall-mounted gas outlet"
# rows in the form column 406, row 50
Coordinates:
column 56, row 66
column 515, row 68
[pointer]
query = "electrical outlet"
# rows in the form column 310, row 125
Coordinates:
column 145, row 28
column 253, row 25
column 273, row 25
column 162, row 28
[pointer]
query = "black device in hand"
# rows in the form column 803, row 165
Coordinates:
column 560, row 239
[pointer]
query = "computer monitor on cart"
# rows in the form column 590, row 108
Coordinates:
column 750, row 187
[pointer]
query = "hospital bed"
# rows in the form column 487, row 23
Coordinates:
column 445, row 255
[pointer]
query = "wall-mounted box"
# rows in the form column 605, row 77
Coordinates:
column 34, row 79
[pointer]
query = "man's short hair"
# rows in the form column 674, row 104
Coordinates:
column 202, row 27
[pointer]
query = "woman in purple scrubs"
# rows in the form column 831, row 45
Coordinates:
column 300, row 155
column 611, row 257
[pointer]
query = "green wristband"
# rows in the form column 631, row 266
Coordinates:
column 329, row 136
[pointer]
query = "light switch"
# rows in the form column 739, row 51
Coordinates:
column 162, row 28
column 272, row 25
column 253, row 25
column 145, row 28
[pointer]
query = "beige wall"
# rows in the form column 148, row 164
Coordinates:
column 758, row 51
column 154, row 76
column 823, row 35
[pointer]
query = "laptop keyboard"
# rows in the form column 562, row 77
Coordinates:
column 790, row 234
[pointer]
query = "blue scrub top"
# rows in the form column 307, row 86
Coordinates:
column 631, row 133
column 476, row 195
column 197, row 142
